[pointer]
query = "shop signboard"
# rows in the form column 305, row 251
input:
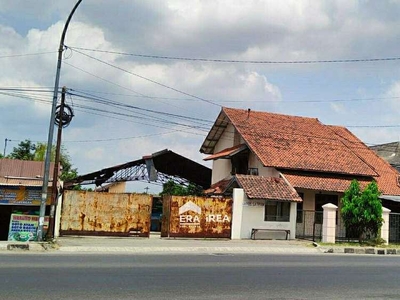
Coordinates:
column 22, row 195
column 23, row 228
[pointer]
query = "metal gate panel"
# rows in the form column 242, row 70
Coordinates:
column 93, row 213
column 191, row 216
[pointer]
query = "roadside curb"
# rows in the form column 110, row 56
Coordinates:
column 54, row 246
column 201, row 250
column 360, row 250
column 32, row 246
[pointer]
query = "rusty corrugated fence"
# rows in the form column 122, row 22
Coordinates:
column 191, row 216
column 93, row 213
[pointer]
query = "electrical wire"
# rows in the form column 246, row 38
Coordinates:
column 115, row 103
column 148, row 79
column 158, row 99
column 90, row 109
column 356, row 60
column 26, row 54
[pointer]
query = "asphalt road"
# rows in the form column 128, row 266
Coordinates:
column 214, row 276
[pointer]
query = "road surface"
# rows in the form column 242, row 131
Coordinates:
column 201, row 276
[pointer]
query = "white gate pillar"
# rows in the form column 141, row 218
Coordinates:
column 385, row 225
column 329, row 223
column 237, row 214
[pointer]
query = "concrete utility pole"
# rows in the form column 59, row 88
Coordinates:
column 5, row 146
column 51, row 130
column 54, row 188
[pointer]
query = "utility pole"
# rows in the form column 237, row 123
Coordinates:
column 54, row 187
column 5, row 146
column 51, row 129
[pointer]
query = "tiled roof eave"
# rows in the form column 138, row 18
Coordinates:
column 267, row 188
column 294, row 199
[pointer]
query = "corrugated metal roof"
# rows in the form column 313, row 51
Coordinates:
column 23, row 172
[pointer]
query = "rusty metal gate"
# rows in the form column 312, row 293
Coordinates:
column 93, row 213
column 191, row 216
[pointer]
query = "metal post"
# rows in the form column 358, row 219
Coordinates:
column 51, row 129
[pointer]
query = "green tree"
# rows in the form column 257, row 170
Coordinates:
column 175, row 189
column 27, row 150
column 67, row 172
column 362, row 210
column 24, row 151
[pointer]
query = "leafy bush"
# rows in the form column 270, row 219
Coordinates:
column 362, row 210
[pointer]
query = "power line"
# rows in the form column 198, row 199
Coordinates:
column 44, row 89
column 127, row 138
column 47, row 101
column 148, row 79
column 266, row 133
column 26, row 54
column 120, row 86
column 115, row 103
column 356, row 60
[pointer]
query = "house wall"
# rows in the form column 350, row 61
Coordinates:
column 221, row 168
column 254, row 162
column 118, row 187
column 248, row 214
column 308, row 199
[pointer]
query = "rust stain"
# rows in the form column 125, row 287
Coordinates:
column 214, row 219
column 102, row 213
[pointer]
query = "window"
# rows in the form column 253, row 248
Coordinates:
column 277, row 211
column 322, row 199
column 240, row 163
column 252, row 171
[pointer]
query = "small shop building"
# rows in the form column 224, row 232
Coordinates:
column 20, row 196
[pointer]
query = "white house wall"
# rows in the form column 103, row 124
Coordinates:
column 254, row 162
column 252, row 216
column 221, row 168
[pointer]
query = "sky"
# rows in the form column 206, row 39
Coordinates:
column 144, row 76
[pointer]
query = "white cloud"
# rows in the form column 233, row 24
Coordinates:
column 394, row 93
column 241, row 29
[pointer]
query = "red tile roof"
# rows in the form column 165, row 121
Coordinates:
column 291, row 143
column 227, row 152
column 267, row 188
column 219, row 187
column 321, row 182
column 388, row 177
column 297, row 143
